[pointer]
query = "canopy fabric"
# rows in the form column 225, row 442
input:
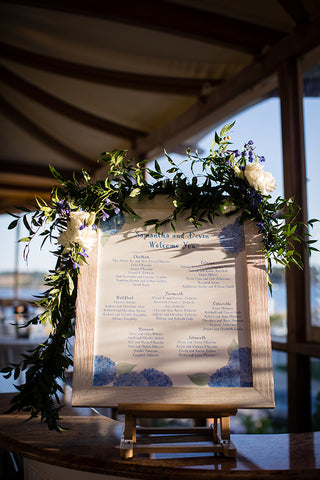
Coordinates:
column 80, row 78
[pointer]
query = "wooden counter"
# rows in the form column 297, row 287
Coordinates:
column 92, row 445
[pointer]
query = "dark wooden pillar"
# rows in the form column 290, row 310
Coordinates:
column 298, row 291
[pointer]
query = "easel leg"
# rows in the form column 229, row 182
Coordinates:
column 229, row 450
column 129, row 436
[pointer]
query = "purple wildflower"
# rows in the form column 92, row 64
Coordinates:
column 253, row 198
column 261, row 226
column 117, row 210
column 75, row 265
column 64, row 208
column 83, row 253
column 105, row 215
column 85, row 225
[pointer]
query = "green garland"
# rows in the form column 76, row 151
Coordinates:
column 229, row 180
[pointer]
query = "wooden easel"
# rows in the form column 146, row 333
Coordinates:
column 213, row 439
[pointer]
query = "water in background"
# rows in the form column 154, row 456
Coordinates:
column 263, row 421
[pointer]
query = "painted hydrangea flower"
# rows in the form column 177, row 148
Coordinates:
column 104, row 370
column 237, row 372
column 156, row 378
column 231, row 238
column 113, row 224
column 131, row 379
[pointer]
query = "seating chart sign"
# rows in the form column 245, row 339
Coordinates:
column 171, row 309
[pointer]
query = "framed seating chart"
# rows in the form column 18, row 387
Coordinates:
column 174, row 315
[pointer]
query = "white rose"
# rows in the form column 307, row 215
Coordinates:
column 258, row 179
column 79, row 230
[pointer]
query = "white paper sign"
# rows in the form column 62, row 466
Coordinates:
column 168, row 311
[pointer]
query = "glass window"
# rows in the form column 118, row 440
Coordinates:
column 311, row 105
column 30, row 274
column 20, row 281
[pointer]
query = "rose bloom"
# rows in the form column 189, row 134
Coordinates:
column 258, row 179
column 79, row 230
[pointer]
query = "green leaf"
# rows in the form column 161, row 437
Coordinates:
column 152, row 221
column 201, row 379
column 233, row 346
column 157, row 166
column 86, row 176
column 226, row 128
column 24, row 239
column 155, row 175
column 217, row 138
column 13, row 224
column 54, row 172
column 135, row 192
column 70, row 284
column 123, row 367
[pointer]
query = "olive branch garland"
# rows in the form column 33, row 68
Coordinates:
column 222, row 187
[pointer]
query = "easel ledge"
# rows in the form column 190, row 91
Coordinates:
column 173, row 439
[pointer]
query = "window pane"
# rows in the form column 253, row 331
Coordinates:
column 311, row 105
column 20, row 281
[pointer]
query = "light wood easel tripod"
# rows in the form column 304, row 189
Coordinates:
column 214, row 439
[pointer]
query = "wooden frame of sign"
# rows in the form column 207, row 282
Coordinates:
column 173, row 317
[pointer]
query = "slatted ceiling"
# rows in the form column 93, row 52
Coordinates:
column 78, row 78
column 270, row 14
column 205, row 26
column 296, row 11
column 101, row 43
column 118, row 105
column 119, row 79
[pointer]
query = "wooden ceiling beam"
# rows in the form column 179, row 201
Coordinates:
column 64, row 108
column 16, row 167
column 20, row 189
column 170, row 18
column 41, row 135
column 204, row 113
column 119, row 79
column 295, row 10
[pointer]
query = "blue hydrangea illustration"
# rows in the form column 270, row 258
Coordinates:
column 104, row 372
column 156, row 378
column 232, row 237
column 131, row 379
column 237, row 372
column 113, row 224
